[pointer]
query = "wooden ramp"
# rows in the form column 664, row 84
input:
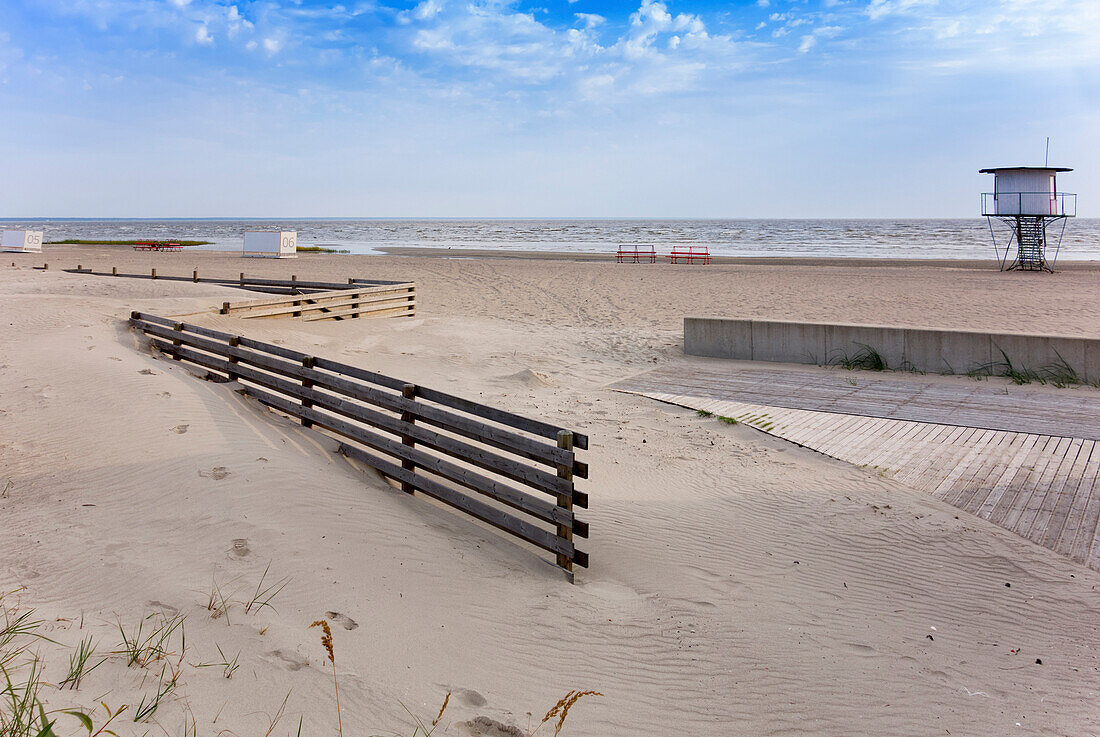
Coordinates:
column 1040, row 485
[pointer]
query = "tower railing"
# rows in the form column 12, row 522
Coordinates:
column 1034, row 204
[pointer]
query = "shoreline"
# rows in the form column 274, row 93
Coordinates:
column 608, row 257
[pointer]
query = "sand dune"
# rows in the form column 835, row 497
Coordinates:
column 739, row 585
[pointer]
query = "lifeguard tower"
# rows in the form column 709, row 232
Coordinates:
column 1026, row 198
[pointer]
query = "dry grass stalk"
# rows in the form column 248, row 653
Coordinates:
column 326, row 641
column 561, row 709
column 446, row 700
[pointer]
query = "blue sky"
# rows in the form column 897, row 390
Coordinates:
column 768, row 108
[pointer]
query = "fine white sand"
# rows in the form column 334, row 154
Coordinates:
column 739, row 585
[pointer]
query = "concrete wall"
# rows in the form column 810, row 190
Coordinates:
column 931, row 351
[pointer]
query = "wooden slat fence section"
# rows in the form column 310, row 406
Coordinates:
column 429, row 441
column 251, row 283
column 1041, row 487
column 397, row 300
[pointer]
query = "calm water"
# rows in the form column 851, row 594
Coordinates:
column 945, row 239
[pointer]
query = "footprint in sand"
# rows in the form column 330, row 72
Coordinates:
column 148, row 372
column 343, row 620
column 486, row 727
column 292, row 661
column 180, row 429
column 469, row 697
column 113, row 358
column 217, row 473
column 240, row 547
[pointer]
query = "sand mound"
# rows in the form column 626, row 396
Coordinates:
column 528, row 377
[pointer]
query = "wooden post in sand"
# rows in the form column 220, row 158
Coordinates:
column 153, row 273
column 114, row 271
column 176, row 341
column 242, row 278
column 307, row 362
column 233, row 343
column 565, row 442
column 195, row 276
column 408, row 392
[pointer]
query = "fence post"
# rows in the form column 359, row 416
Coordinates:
column 195, row 276
column 114, row 271
column 408, row 392
column 242, row 278
column 565, row 442
column 233, row 343
column 176, row 341
column 154, row 273
column 307, row 362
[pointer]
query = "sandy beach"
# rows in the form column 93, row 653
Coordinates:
column 739, row 584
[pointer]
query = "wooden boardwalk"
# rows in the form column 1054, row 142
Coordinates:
column 1010, row 470
column 984, row 404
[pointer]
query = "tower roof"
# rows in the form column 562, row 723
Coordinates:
column 996, row 169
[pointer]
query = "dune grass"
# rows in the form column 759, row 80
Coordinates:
column 1058, row 373
column 160, row 639
column 866, row 359
column 320, row 249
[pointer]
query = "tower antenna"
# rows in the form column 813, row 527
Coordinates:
column 1046, row 160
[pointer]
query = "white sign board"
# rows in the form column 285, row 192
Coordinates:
column 22, row 241
column 270, row 243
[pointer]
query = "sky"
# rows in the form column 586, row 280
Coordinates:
column 540, row 108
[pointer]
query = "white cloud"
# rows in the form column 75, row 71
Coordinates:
column 272, row 46
column 202, row 36
column 181, row 3
column 590, row 20
column 882, row 8
column 763, row 3
column 425, row 10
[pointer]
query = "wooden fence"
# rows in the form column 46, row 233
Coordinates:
column 293, row 285
column 429, row 441
column 396, row 300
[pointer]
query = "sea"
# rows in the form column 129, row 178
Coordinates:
column 888, row 239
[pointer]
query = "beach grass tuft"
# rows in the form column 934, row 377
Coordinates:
column 263, row 595
column 866, row 359
column 165, row 686
column 78, row 663
column 228, row 666
column 1058, row 374
column 142, row 646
